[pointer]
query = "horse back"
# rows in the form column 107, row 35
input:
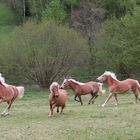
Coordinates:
column 8, row 93
column 125, row 85
column 90, row 86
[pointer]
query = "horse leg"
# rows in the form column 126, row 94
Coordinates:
column 51, row 110
column 108, row 98
column 57, row 109
column 7, row 110
column 136, row 94
column 76, row 99
column 80, row 100
column 1, row 100
column 93, row 95
column 115, row 95
column 94, row 98
column 62, row 108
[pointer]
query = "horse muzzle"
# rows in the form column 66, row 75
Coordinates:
column 61, row 87
column 56, row 96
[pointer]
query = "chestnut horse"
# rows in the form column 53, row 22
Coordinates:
column 116, row 86
column 79, row 89
column 8, row 93
column 57, row 98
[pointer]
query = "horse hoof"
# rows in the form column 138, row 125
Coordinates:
column 3, row 115
column 103, row 105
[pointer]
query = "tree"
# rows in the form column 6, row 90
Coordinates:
column 117, row 47
column 117, row 8
column 55, row 11
column 43, row 52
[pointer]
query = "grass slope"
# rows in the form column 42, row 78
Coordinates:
column 29, row 119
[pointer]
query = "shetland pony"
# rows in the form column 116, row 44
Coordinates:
column 116, row 86
column 8, row 93
column 57, row 98
column 79, row 89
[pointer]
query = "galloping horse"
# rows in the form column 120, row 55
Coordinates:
column 57, row 98
column 116, row 86
column 79, row 89
column 8, row 93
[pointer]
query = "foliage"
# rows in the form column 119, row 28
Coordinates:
column 7, row 17
column 69, row 4
column 55, row 11
column 118, row 45
column 42, row 52
column 119, row 8
column 36, row 7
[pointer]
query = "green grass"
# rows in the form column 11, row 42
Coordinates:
column 29, row 119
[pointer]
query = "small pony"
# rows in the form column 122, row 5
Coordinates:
column 57, row 98
column 79, row 89
column 8, row 93
column 116, row 86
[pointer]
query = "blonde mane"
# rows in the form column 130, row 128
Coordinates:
column 52, row 85
column 2, row 80
column 111, row 74
column 77, row 82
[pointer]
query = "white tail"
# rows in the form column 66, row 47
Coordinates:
column 138, row 86
column 20, row 92
column 101, row 91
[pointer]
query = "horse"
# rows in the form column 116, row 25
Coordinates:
column 116, row 86
column 57, row 98
column 8, row 93
column 79, row 89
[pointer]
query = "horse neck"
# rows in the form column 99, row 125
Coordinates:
column 111, row 81
column 73, row 85
column 55, row 91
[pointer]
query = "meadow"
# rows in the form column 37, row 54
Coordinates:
column 29, row 119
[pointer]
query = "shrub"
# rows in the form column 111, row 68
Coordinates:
column 43, row 52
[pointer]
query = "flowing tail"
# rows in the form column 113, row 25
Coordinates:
column 101, row 91
column 138, row 86
column 20, row 92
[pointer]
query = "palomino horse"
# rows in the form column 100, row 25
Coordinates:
column 57, row 98
column 116, row 86
column 8, row 93
column 79, row 89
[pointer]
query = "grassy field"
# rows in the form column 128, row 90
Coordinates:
column 29, row 119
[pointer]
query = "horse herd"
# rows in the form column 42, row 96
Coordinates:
column 58, row 94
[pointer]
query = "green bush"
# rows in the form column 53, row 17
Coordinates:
column 42, row 53
column 118, row 45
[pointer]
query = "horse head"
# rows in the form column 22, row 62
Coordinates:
column 54, row 88
column 106, row 75
column 64, row 84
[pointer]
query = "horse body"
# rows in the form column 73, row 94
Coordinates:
column 125, row 85
column 116, row 86
column 57, row 98
column 60, row 100
column 8, row 93
column 79, row 88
